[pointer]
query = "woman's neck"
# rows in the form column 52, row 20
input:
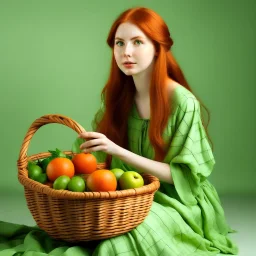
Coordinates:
column 142, row 84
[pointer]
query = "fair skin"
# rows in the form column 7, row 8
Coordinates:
column 132, row 45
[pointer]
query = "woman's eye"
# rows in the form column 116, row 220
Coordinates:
column 138, row 42
column 119, row 43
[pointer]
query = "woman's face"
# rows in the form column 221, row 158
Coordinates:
column 132, row 45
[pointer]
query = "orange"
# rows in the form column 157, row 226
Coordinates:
column 60, row 166
column 101, row 180
column 85, row 163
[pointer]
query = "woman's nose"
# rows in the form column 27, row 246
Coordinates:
column 128, row 50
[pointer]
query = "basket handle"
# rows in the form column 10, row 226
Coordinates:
column 43, row 120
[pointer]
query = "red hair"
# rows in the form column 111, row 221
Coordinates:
column 119, row 91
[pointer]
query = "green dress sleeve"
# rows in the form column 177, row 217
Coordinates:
column 189, row 155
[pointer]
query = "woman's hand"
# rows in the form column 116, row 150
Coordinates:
column 97, row 142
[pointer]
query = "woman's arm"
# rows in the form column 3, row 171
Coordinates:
column 99, row 142
column 143, row 164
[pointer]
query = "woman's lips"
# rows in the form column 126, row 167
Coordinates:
column 129, row 65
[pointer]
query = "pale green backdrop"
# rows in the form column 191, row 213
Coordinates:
column 54, row 59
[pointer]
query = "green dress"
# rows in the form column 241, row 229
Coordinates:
column 185, row 218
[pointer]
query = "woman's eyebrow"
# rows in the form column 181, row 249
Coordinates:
column 131, row 38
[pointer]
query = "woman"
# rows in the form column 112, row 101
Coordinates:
column 151, row 122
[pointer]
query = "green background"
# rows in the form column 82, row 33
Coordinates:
column 54, row 59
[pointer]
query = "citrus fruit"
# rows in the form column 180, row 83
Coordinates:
column 101, row 180
column 85, row 163
column 60, row 166
column 42, row 178
column 34, row 171
column 76, row 184
column 31, row 163
column 61, row 182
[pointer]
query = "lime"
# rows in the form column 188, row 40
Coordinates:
column 42, row 178
column 76, row 184
column 30, row 163
column 61, row 182
column 34, row 171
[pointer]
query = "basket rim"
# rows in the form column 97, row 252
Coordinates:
column 152, row 187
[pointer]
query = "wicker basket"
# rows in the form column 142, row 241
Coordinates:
column 81, row 216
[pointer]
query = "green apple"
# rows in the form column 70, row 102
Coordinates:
column 131, row 179
column 118, row 172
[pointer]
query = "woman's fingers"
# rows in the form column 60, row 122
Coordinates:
column 91, row 135
column 90, row 143
column 93, row 149
column 95, row 141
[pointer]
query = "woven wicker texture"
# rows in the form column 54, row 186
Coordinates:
column 81, row 216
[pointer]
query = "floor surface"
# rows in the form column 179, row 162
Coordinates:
column 240, row 212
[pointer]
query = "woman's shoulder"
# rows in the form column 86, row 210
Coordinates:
column 181, row 97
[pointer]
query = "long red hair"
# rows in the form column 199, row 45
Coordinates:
column 119, row 91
